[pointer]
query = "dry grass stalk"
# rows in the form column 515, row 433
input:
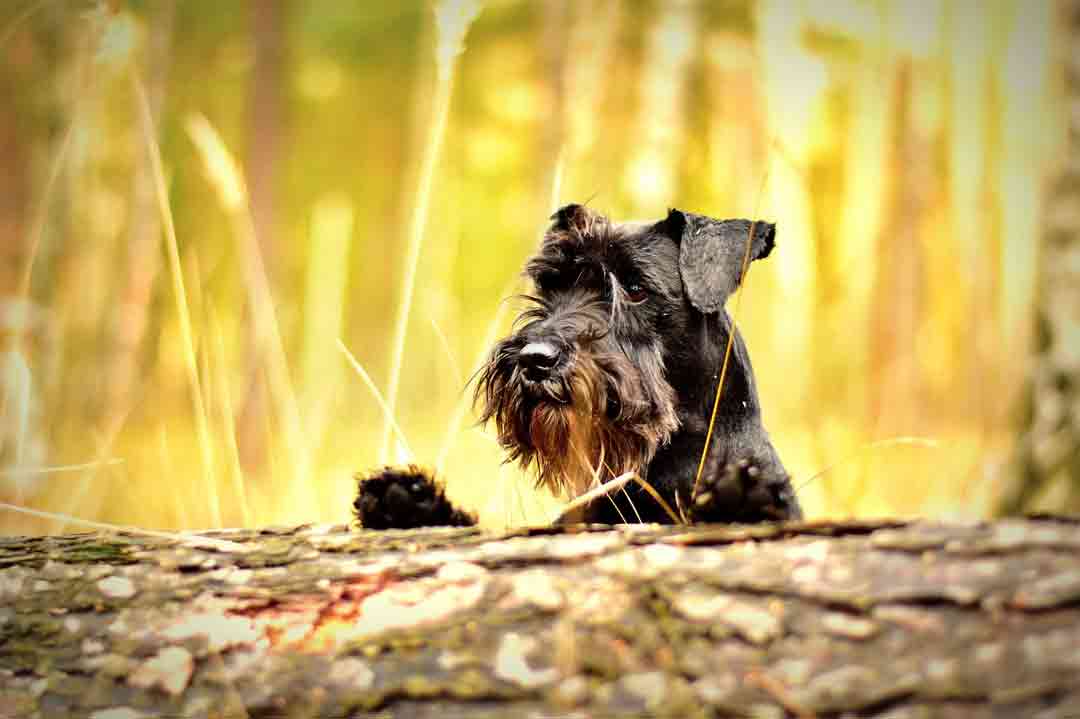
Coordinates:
column 202, row 427
column 453, row 18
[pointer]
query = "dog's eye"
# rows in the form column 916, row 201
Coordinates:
column 548, row 281
column 636, row 293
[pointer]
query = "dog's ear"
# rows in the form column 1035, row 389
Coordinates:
column 572, row 218
column 712, row 253
column 563, row 217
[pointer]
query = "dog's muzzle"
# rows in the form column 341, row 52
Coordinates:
column 538, row 360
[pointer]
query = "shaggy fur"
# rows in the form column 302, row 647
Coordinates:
column 613, row 368
column 404, row 498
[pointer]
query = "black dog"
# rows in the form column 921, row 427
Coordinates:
column 614, row 369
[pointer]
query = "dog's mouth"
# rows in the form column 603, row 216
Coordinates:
column 550, row 403
column 536, row 421
column 548, row 390
column 547, row 414
column 538, row 427
column 589, row 417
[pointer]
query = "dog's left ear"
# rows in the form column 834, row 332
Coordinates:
column 712, row 253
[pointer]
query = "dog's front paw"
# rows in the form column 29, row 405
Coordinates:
column 405, row 498
column 744, row 492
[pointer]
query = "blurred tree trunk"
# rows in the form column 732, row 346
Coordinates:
column 898, row 293
column 14, row 251
column 27, row 124
column 13, row 195
column 1047, row 458
column 267, row 27
column 144, row 248
column 556, row 20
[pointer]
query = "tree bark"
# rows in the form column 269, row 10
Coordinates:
column 812, row 619
column 1047, row 458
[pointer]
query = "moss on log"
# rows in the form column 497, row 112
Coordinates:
column 853, row 619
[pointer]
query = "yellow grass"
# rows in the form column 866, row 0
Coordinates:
column 412, row 186
column 180, row 296
column 453, row 18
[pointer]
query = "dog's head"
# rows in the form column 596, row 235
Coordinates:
column 581, row 389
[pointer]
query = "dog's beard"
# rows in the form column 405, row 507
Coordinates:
column 575, row 445
column 596, row 422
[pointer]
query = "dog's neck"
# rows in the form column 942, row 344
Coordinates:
column 697, row 366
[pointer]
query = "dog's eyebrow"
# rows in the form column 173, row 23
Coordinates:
column 628, row 267
column 545, row 263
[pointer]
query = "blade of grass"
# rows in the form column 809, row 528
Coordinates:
column 77, row 496
column 463, row 404
column 629, row 499
column 17, row 390
column 924, row 442
column 383, row 404
column 59, row 468
column 195, row 540
column 595, row 471
column 41, row 217
column 324, row 307
column 206, row 380
column 731, row 339
column 225, row 176
column 557, row 180
column 166, row 461
column 724, row 365
column 202, row 426
column 455, row 369
column 453, row 18
column 614, row 485
column 226, row 417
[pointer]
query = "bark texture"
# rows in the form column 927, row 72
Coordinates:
column 1048, row 456
column 858, row 619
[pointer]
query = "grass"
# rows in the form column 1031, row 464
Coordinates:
column 202, row 425
column 410, row 313
column 453, row 18
column 64, row 519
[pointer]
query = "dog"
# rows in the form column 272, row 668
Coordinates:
column 614, row 369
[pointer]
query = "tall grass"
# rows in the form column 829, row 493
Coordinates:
column 202, row 425
column 225, row 176
column 452, row 21
column 663, row 106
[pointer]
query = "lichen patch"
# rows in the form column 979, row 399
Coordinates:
column 511, row 663
column 116, row 587
column 169, row 670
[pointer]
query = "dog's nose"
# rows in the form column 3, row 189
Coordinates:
column 538, row 358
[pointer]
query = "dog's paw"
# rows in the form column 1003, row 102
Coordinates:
column 744, row 492
column 405, row 498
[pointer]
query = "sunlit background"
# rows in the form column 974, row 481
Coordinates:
column 236, row 236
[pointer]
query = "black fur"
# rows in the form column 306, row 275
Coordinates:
column 614, row 368
column 404, row 498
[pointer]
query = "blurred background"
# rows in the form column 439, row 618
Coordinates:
column 236, row 236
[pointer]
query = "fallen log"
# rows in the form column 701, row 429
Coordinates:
column 815, row 619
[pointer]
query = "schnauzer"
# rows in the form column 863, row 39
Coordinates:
column 614, row 369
